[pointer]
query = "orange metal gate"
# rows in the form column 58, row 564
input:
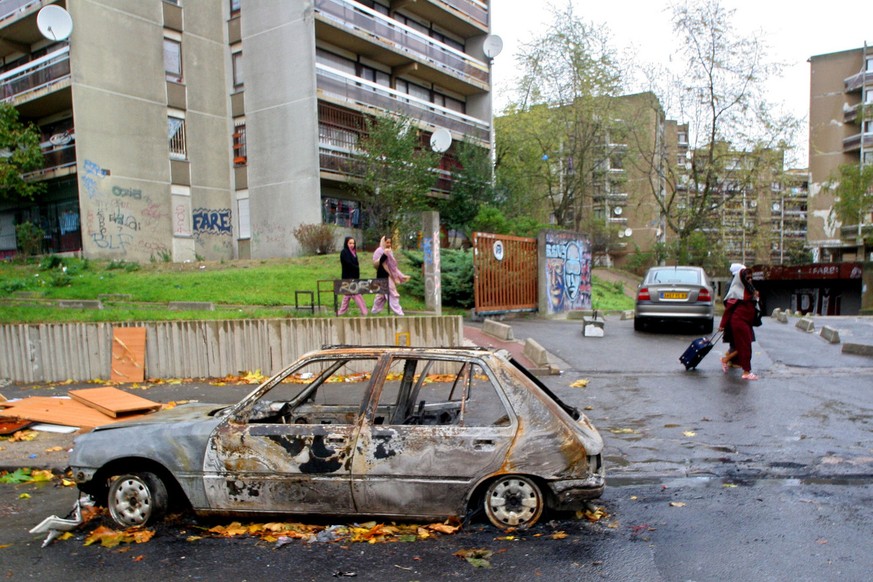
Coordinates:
column 504, row 273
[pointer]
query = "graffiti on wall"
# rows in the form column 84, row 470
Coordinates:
column 209, row 221
column 568, row 271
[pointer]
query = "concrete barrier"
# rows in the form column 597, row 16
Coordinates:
column 830, row 334
column 805, row 324
column 80, row 304
column 191, row 306
column 625, row 315
column 593, row 327
column 536, row 353
column 858, row 349
column 782, row 317
column 499, row 330
column 205, row 349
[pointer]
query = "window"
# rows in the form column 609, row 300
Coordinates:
column 173, row 60
column 682, row 138
column 234, row 7
column 237, row 65
column 176, row 137
column 240, row 157
column 341, row 212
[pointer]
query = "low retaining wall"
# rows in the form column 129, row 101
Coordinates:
column 204, row 349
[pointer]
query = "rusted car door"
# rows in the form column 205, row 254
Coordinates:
column 288, row 450
column 433, row 429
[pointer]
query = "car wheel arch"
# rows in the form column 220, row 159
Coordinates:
column 136, row 465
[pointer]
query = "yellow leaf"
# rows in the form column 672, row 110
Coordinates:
column 24, row 496
column 729, row 485
column 579, row 383
column 559, row 535
column 622, row 430
column 68, row 483
column 41, row 476
column 444, row 528
column 677, row 504
column 689, row 433
column 54, row 449
column 193, row 538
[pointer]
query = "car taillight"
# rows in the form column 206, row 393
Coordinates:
column 643, row 294
column 704, row 295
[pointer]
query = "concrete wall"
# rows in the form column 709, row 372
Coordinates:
column 204, row 349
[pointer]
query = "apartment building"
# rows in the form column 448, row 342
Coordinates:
column 185, row 129
column 840, row 132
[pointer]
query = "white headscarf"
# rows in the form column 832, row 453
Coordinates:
column 736, row 268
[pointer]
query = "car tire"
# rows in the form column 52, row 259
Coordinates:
column 137, row 499
column 513, row 501
column 639, row 324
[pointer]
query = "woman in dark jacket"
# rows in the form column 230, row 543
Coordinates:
column 739, row 315
column 350, row 270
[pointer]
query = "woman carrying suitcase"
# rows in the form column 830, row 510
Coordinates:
column 739, row 315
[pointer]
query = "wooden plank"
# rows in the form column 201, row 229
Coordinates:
column 128, row 354
column 65, row 411
column 113, row 402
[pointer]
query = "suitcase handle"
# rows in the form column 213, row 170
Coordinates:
column 716, row 336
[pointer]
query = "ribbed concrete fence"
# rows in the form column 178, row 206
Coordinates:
column 204, row 349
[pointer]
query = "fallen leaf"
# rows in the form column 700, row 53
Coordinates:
column 689, row 433
column 622, row 430
column 579, row 383
column 477, row 557
column 729, row 485
column 559, row 535
column 677, row 504
column 24, row 496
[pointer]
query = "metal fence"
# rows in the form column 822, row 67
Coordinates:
column 504, row 273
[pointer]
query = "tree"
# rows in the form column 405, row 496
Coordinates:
column 397, row 175
column 19, row 153
column 554, row 140
column 471, row 188
column 733, row 131
column 853, row 188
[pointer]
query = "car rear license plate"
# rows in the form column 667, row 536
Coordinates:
column 674, row 295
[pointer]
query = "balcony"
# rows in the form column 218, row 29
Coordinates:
column 36, row 78
column 854, row 142
column 374, row 35
column 345, row 89
column 466, row 17
column 60, row 160
column 9, row 8
column 858, row 80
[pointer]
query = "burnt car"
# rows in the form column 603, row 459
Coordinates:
column 674, row 295
column 399, row 432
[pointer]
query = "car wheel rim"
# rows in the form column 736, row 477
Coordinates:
column 515, row 502
column 131, row 502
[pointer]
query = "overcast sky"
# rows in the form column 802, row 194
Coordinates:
column 794, row 32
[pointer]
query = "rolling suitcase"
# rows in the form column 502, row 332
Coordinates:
column 698, row 350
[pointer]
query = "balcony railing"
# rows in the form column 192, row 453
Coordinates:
column 358, row 91
column 403, row 39
column 472, row 8
column 854, row 142
column 36, row 74
column 56, row 158
column 858, row 80
column 10, row 7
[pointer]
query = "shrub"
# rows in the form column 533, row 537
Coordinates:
column 51, row 262
column 456, row 274
column 128, row 266
column 29, row 237
column 315, row 239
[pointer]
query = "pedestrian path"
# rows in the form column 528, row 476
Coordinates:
column 477, row 337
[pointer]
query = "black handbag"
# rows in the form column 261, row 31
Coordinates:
column 759, row 315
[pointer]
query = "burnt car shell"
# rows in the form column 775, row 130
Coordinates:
column 408, row 456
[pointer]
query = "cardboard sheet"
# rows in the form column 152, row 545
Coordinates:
column 113, row 402
column 65, row 411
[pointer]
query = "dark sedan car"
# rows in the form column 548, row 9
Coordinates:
column 674, row 294
column 354, row 431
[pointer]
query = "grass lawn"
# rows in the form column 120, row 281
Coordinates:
column 239, row 289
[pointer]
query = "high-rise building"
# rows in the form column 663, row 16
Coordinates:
column 840, row 133
column 180, row 129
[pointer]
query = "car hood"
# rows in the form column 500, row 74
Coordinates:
column 190, row 412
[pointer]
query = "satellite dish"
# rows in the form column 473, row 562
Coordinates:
column 617, row 210
column 440, row 140
column 621, row 234
column 54, row 22
column 492, row 46
column 776, row 207
column 628, row 232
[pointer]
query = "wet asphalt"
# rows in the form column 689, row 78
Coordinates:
column 709, row 478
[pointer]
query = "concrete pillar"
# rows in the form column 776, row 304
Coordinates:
column 430, row 245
